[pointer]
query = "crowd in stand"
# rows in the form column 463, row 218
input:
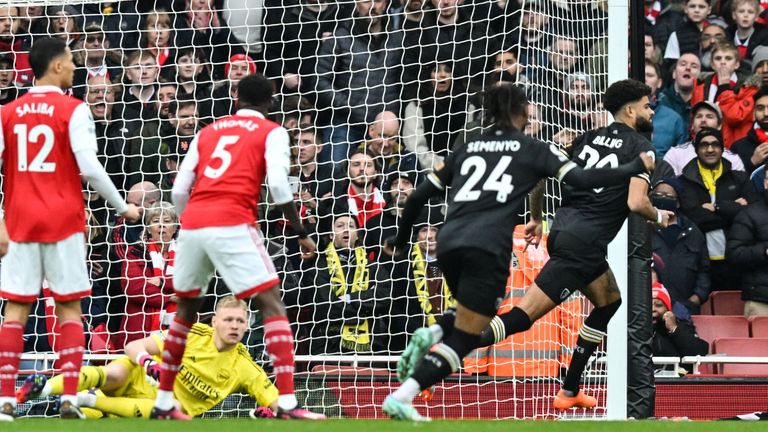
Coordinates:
column 374, row 93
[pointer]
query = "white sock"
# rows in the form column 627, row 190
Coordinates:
column 437, row 333
column 46, row 390
column 69, row 398
column 5, row 400
column 287, row 402
column 86, row 399
column 407, row 391
column 164, row 400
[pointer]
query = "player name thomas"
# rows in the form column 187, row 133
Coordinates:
column 225, row 124
column 34, row 108
column 493, row 146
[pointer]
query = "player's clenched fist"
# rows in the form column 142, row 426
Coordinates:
column 149, row 364
column 649, row 161
column 132, row 213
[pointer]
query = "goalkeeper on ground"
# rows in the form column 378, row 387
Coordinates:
column 214, row 366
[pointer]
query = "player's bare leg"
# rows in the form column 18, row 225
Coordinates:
column 443, row 360
column 604, row 294
column 278, row 338
column 173, row 352
column 11, row 347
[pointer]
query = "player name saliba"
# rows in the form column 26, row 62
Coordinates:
column 493, row 146
column 247, row 124
column 34, row 108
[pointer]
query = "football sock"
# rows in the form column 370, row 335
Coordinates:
column 71, row 356
column 278, row 338
column 444, row 325
column 444, row 359
column 590, row 336
column 505, row 325
column 173, row 353
column 124, row 407
column 11, row 346
column 90, row 377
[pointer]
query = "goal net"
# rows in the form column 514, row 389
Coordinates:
column 374, row 95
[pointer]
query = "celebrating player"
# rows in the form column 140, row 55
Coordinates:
column 215, row 365
column 47, row 140
column 226, row 164
column 487, row 179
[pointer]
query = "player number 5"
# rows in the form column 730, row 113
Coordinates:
column 221, row 153
column 23, row 139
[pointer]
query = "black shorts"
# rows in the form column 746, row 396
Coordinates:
column 573, row 264
column 476, row 277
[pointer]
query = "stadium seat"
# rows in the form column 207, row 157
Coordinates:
column 706, row 308
column 711, row 327
column 727, row 303
column 742, row 347
column 758, row 326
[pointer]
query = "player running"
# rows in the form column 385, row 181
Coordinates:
column 488, row 178
column 225, row 167
column 47, row 142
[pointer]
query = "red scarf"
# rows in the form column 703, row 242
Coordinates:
column 742, row 45
column 362, row 209
column 162, row 55
column 162, row 267
column 762, row 136
column 651, row 13
column 714, row 85
column 762, row 17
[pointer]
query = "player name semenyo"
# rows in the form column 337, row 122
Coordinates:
column 493, row 146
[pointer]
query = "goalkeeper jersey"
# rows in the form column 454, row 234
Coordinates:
column 207, row 376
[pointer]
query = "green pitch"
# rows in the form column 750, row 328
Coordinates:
column 55, row 425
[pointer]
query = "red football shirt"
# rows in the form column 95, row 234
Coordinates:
column 229, row 172
column 42, row 187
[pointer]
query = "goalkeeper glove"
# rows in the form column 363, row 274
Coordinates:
column 261, row 412
column 149, row 364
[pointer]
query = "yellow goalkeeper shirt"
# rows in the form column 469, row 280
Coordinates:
column 207, row 376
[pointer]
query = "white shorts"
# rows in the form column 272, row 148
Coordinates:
column 61, row 263
column 237, row 252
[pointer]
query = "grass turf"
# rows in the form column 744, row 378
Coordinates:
column 128, row 425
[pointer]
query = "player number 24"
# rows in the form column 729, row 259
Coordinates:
column 23, row 138
column 220, row 152
column 497, row 180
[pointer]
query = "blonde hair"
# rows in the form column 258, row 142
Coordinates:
column 161, row 208
column 230, row 301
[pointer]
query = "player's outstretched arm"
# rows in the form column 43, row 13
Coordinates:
column 638, row 202
column 413, row 206
column 599, row 177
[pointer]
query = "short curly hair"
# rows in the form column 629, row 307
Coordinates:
column 623, row 92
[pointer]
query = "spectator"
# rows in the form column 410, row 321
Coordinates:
column 748, row 251
column 760, row 64
column 673, row 336
column 147, row 275
column 244, row 19
column 111, row 130
column 384, row 145
column 358, row 75
column 157, row 38
column 225, row 93
column 342, row 293
column 705, row 114
column 744, row 32
column 678, row 95
column 316, row 179
column 32, row 21
column 563, row 60
column 166, row 93
column 652, row 52
column 668, row 126
column 535, row 35
column 685, row 38
column 711, row 36
column 96, row 59
column 683, row 249
column 732, row 94
column 384, row 225
column 140, row 86
column 15, row 45
column 143, row 195
column 120, row 20
column 579, row 111
column 8, row 89
column 414, row 17
column 753, row 148
column 712, row 195
column 507, row 61
column 193, row 75
column 436, row 117
column 359, row 194
column 63, row 24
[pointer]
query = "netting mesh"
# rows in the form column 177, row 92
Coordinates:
column 374, row 94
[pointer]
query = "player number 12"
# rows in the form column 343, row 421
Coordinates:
column 23, row 139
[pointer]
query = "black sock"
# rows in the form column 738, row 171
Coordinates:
column 590, row 336
column 445, row 358
column 514, row 321
column 446, row 320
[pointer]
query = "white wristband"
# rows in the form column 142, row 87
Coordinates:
column 659, row 217
column 137, row 360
